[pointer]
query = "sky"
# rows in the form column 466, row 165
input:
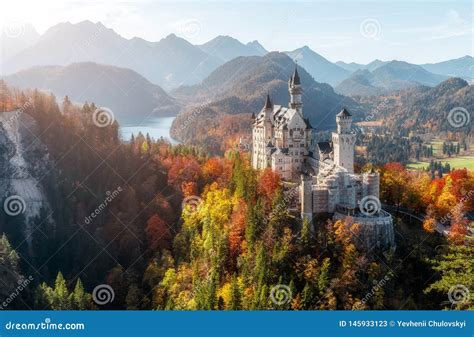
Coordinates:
column 352, row 31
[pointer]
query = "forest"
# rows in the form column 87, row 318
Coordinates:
column 185, row 230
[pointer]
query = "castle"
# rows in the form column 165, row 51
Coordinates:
column 282, row 140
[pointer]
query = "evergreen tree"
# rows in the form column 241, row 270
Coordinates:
column 235, row 295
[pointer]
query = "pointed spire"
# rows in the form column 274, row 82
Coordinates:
column 268, row 102
column 344, row 113
column 295, row 78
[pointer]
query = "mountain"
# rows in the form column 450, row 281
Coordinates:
column 129, row 95
column 228, row 48
column 169, row 62
column 235, row 90
column 16, row 38
column 321, row 69
column 462, row 67
column 424, row 109
column 349, row 66
column 394, row 75
column 361, row 83
column 352, row 67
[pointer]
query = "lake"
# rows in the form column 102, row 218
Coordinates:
column 157, row 127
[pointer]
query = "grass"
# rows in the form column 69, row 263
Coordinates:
column 455, row 162
column 465, row 161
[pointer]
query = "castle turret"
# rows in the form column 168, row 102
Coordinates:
column 268, row 110
column 296, row 92
column 344, row 141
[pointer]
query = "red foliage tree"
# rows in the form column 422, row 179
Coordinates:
column 268, row 183
column 157, row 232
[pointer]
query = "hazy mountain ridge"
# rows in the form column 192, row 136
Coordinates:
column 172, row 61
column 320, row 68
column 392, row 76
column 169, row 62
column 228, row 48
column 462, row 67
column 127, row 93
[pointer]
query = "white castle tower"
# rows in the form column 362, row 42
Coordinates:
column 343, row 141
column 296, row 92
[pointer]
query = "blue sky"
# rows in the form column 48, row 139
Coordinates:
column 415, row 31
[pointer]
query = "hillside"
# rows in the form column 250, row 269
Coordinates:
column 238, row 88
column 128, row 94
column 424, row 109
column 395, row 75
column 317, row 66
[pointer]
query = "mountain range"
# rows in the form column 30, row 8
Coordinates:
column 390, row 76
column 172, row 61
column 321, row 69
column 129, row 95
column 227, row 48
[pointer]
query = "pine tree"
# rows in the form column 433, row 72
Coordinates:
column 235, row 295
column 79, row 297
